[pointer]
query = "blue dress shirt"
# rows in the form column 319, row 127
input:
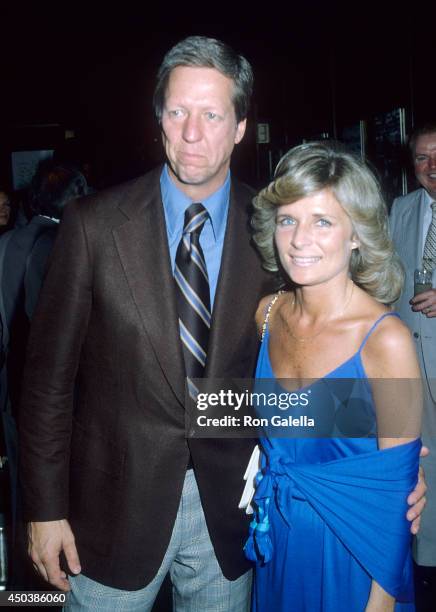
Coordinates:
column 175, row 203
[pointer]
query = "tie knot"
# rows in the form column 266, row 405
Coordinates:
column 195, row 218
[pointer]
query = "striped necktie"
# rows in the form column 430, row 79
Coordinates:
column 429, row 257
column 193, row 295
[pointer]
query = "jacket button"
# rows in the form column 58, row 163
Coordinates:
column 415, row 335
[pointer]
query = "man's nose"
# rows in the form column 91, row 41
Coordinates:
column 432, row 162
column 192, row 128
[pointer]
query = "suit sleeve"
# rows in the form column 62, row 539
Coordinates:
column 392, row 218
column 56, row 337
column 35, row 271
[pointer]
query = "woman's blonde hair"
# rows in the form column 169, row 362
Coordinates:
column 312, row 167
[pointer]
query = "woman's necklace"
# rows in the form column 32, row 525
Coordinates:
column 307, row 338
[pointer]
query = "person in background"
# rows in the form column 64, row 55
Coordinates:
column 330, row 531
column 26, row 254
column 5, row 225
column 5, row 210
column 413, row 231
column 53, row 186
column 22, row 270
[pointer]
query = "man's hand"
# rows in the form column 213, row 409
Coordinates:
column 425, row 302
column 46, row 541
column 417, row 498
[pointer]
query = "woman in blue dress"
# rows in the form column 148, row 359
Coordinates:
column 329, row 531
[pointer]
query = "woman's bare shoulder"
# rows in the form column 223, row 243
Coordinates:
column 391, row 333
column 390, row 350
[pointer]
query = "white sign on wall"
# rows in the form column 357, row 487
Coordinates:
column 262, row 133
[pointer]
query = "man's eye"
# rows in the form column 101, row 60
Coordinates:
column 211, row 115
column 176, row 112
column 421, row 158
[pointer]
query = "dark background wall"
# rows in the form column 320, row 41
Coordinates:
column 319, row 66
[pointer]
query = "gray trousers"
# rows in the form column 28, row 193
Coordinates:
column 198, row 583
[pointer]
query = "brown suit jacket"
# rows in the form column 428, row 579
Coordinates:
column 103, row 419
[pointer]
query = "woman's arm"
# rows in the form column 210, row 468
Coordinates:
column 379, row 600
column 392, row 366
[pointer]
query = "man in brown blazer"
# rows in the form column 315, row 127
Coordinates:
column 110, row 480
column 104, row 452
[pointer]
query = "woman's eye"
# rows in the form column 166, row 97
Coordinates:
column 285, row 221
column 324, row 222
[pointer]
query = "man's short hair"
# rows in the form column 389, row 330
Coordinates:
column 427, row 128
column 53, row 185
column 202, row 52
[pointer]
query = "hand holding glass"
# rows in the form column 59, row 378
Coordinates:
column 423, row 280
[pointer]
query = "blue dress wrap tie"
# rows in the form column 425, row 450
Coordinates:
column 362, row 498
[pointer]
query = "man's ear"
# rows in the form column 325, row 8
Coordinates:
column 240, row 131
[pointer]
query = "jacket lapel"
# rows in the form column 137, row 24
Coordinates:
column 410, row 243
column 238, row 288
column 143, row 249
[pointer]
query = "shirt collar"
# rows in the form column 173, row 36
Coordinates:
column 427, row 198
column 55, row 219
column 175, row 203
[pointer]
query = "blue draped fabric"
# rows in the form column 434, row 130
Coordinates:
column 330, row 512
column 362, row 498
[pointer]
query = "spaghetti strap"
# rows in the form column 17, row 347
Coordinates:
column 267, row 314
column 386, row 314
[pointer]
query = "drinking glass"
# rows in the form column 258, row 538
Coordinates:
column 423, row 280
